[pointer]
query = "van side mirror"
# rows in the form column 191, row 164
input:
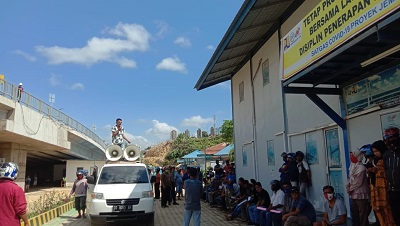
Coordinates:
column 90, row 180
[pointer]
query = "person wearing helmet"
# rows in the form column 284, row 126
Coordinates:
column 12, row 197
column 80, row 189
column 391, row 161
column 19, row 91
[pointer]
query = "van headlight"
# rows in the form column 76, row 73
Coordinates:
column 96, row 195
column 147, row 194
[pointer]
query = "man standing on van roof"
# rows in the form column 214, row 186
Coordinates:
column 118, row 136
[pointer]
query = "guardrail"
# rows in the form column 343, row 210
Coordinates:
column 10, row 91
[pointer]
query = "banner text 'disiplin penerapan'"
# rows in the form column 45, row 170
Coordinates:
column 328, row 25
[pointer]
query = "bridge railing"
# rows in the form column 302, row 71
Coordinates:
column 10, row 91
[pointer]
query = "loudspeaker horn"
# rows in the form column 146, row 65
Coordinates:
column 114, row 153
column 131, row 153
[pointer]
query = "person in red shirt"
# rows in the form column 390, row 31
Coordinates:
column 157, row 184
column 12, row 197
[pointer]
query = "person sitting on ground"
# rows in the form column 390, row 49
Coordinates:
column 302, row 212
column 335, row 209
column 287, row 188
column 273, row 214
column 263, row 202
column 230, row 180
column 240, row 200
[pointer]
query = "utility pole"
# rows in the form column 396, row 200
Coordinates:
column 215, row 128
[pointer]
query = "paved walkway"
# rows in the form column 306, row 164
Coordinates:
column 171, row 216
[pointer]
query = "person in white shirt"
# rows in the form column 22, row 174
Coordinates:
column 118, row 137
column 335, row 209
column 273, row 214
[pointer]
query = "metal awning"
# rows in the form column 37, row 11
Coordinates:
column 254, row 24
column 346, row 64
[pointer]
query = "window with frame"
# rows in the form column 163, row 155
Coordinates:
column 241, row 92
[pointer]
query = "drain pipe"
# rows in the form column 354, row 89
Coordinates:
column 254, row 118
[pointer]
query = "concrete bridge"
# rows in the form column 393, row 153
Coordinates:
column 40, row 139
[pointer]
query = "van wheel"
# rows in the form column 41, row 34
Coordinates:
column 151, row 222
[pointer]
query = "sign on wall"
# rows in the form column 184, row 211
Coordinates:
column 270, row 152
column 390, row 120
column 326, row 27
column 382, row 89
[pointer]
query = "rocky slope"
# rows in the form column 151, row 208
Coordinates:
column 156, row 154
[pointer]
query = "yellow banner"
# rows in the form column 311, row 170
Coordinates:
column 1, row 79
column 327, row 26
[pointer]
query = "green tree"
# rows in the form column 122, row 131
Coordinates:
column 204, row 134
column 227, row 131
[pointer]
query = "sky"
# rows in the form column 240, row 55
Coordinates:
column 134, row 60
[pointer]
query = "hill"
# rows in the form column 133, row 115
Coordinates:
column 155, row 156
column 168, row 152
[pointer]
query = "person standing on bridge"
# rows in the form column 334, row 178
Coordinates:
column 12, row 197
column 80, row 189
column 118, row 137
column 20, row 91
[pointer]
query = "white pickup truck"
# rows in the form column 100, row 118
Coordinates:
column 122, row 193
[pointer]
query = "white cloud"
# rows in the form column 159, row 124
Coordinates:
column 54, row 80
column 137, row 140
column 163, row 28
column 27, row 56
column 160, row 129
column 196, row 121
column 172, row 64
column 183, row 42
column 77, row 86
column 130, row 38
column 210, row 47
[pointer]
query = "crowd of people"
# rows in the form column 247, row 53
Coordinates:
column 373, row 184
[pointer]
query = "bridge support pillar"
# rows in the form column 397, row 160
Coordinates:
column 14, row 152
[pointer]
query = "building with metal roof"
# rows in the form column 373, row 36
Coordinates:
column 321, row 77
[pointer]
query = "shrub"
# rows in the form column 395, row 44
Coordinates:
column 46, row 202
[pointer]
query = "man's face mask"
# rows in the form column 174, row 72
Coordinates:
column 329, row 196
column 353, row 158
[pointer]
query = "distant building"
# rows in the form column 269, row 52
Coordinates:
column 212, row 131
column 173, row 134
column 199, row 133
column 187, row 134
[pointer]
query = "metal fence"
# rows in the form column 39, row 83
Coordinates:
column 11, row 91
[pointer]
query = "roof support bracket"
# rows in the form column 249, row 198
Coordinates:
column 328, row 110
column 304, row 90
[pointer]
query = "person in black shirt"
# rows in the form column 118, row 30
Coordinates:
column 263, row 202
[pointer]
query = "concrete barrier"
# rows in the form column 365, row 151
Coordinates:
column 49, row 215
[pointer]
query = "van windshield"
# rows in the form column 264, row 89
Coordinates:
column 123, row 175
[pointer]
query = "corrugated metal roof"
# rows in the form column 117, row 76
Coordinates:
column 256, row 22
